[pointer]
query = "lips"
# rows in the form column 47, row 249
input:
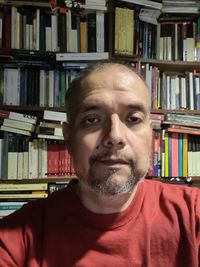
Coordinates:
column 112, row 161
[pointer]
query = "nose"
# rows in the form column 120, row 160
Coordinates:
column 115, row 135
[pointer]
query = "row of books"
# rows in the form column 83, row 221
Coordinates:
column 166, row 40
column 14, row 195
column 179, row 40
column 50, row 127
column 29, row 149
column 40, row 29
column 35, row 86
column 22, row 158
column 47, row 88
column 175, row 146
column 172, row 90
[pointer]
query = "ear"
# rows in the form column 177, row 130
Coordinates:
column 66, row 134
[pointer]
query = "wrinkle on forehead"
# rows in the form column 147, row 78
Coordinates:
column 103, row 82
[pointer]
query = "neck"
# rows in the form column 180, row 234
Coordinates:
column 102, row 204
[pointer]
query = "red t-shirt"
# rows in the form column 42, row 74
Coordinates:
column 161, row 228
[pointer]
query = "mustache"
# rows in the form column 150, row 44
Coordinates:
column 104, row 155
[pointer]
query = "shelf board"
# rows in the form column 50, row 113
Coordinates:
column 31, row 108
column 167, row 111
column 8, row 55
column 26, row 3
column 40, row 180
column 173, row 66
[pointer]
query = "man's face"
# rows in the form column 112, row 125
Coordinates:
column 110, row 136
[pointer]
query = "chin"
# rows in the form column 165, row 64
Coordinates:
column 110, row 184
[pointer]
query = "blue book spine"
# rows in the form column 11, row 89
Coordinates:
column 180, row 155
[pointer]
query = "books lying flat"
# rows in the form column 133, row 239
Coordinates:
column 11, row 205
column 179, row 123
column 23, row 196
column 55, row 116
column 23, row 187
column 18, row 116
column 50, row 131
column 81, row 56
column 195, row 119
column 183, row 130
column 152, row 4
column 54, row 137
column 19, row 124
column 50, row 124
column 15, row 130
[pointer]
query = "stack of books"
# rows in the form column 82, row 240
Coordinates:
column 177, row 6
column 17, row 122
column 14, row 195
column 51, row 126
column 179, row 123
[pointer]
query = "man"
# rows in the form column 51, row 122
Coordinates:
column 111, row 215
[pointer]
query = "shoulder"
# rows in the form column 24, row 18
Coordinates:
column 178, row 196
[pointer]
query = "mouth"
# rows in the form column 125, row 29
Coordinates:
column 113, row 162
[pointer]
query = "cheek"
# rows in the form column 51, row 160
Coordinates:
column 84, row 145
column 143, row 147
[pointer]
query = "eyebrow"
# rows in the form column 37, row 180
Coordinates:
column 135, row 107
column 87, row 108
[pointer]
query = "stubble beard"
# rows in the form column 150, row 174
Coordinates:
column 109, row 183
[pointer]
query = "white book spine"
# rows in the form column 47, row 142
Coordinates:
column 51, row 89
column 34, row 32
column 38, row 29
column 183, row 92
column 12, row 165
column 68, row 29
column 54, row 25
column 20, row 160
column 191, row 91
column 168, row 93
column 48, row 39
column 31, row 37
column 43, row 85
column 13, row 26
column 1, row 158
column 25, row 165
column 17, row 31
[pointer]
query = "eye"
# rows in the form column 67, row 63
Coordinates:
column 91, row 120
column 134, row 119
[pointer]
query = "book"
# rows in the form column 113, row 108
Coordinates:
column 19, row 124
column 15, row 130
column 91, row 32
column 181, row 124
column 23, row 186
column 18, row 116
column 82, row 56
column 52, row 187
column 185, row 155
column 56, row 131
column 54, row 116
column 175, row 154
column 34, row 195
column 184, row 130
column 149, row 3
column 48, row 136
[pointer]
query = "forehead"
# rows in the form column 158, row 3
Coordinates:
column 112, row 86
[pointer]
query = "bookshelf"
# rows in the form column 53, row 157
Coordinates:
column 165, row 59
column 64, row 51
column 42, row 48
